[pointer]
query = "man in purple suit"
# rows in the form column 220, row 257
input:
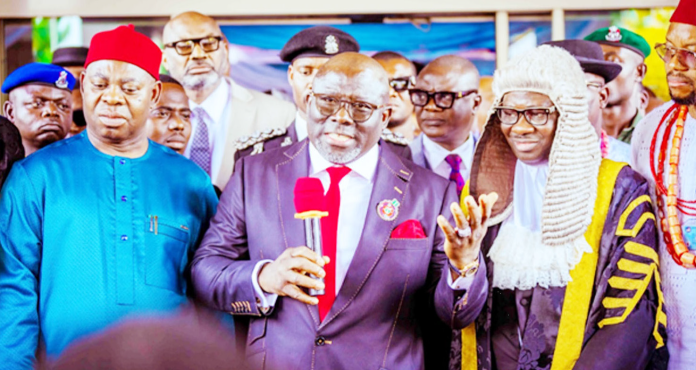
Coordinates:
column 387, row 244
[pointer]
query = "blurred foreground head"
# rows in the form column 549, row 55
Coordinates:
column 188, row 341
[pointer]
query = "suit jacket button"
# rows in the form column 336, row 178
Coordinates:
column 320, row 341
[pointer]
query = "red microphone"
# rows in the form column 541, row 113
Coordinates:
column 310, row 205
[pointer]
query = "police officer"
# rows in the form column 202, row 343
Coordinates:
column 629, row 50
column 73, row 60
column 306, row 52
column 39, row 104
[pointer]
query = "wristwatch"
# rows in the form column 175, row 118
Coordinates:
column 468, row 270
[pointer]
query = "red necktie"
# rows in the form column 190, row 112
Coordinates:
column 329, row 229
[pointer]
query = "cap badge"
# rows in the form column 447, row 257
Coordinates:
column 614, row 34
column 331, row 44
column 388, row 209
column 62, row 81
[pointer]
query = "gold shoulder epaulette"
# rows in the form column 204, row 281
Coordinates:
column 259, row 137
column 394, row 137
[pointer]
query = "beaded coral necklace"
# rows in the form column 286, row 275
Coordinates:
column 669, row 222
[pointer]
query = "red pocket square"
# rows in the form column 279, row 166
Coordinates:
column 409, row 229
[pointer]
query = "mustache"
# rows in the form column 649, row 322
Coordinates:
column 200, row 63
column 341, row 131
column 678, row 76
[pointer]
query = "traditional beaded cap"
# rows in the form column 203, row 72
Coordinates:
column 575, row 157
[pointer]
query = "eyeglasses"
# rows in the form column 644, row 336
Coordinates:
column 358, row 111
column 185, row 47
column 402, row 83
column 442, row 99
column 537, row 116
column 684, row 56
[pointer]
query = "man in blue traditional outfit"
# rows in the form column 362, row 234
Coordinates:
column 100, row 226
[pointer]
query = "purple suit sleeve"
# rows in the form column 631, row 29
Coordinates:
column 632, row 328
column 221, row 269
column 457, row 308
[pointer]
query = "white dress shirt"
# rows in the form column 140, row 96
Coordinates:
column 355, row 189
column 436, row 154
column 216, row 107
column 300, row 127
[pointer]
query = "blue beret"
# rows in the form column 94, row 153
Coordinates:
column 41, row 73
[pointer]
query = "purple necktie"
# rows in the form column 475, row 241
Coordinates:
column 200, row 147
column 455, row 162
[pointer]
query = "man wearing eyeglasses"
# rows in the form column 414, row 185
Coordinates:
column 571, row 247
column 629, row 50
column 663, row 151
column 446, row 100
column 196, row 54
column 386, row 245
column 306, row 52
column 402, row 76
column 169, row 122
column 598, row 73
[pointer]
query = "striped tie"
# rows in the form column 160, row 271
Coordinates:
column 200, row 146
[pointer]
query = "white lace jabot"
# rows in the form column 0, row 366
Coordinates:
column 522, row 260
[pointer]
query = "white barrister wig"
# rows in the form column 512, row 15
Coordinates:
column 575, row 157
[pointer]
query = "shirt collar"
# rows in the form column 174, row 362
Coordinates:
column 300, row 127
column 529, row 190
column 436, row 154
column 214, row 105
column 365, row 166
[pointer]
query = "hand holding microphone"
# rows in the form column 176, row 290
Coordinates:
column 288, row 273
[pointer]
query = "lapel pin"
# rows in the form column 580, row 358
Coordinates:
column 388, row 209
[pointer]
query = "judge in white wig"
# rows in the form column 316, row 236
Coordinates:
column 570, row 248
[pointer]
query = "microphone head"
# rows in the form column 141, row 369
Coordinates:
column 309, row 195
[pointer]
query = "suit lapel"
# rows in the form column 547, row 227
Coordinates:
column 292, row 132
column 293, row 165
column 391, row 175
column 241, row 119
column 418, row 152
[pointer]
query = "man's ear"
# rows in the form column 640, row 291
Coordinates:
column 291, row 72
column 641, row 69
column 82, row 82
column 156, row 93
column 8, row 108
column 603, row 97
column 476, row 104
column 386, row 116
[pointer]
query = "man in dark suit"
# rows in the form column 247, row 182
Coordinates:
column 386, row 246
column 446, row 99
column 306, row 52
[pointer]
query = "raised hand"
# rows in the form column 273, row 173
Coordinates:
column 463, row 242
